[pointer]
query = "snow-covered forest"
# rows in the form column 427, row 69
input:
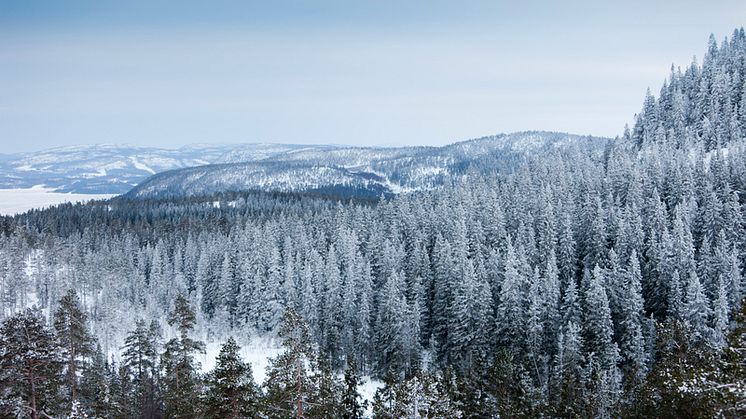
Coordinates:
column 584, row 282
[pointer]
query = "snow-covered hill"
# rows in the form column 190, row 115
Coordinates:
column 202, row 169
column 374, row 170
column 115, row 169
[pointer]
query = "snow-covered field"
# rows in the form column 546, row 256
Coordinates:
column 17, row 201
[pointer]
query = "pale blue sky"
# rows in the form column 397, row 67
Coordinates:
column 345, row 72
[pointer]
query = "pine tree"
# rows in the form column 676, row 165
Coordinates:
column 30, row 367
column 288, row 385
column 351, row 406
column 120, row 384
column 181, row 381
column 76, row 342
column 325, row 402
column 140, row 357
column 95, row 394
column 230, row 390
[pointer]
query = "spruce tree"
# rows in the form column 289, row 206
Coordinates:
column 633, row 347
column 230, row 391
column 697, row 311
column 511, row 310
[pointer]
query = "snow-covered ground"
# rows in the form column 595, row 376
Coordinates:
column 259, row 352
column 17, row 201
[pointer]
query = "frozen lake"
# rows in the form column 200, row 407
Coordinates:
column 17, row 201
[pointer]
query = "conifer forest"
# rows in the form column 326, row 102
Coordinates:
column 594, row 278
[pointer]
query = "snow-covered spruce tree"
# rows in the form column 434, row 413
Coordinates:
column 697, row 311
column 603, row 351
column 421, row 396
column 632, row 340
column 512, row 308
column 390, row 329
column 567, row 384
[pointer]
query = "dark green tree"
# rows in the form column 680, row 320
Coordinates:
column 326, row 401
column 288, row 386
column 95, row 393
column 230, row 389
column 121, row 389
column 30, row 367
column 76, row 342
column 140, row 356
column 181, row 381
column 352, row 407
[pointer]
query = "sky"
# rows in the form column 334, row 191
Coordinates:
column 377, row 72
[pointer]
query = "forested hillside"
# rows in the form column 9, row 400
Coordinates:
column 362, row 171
column 578, row 282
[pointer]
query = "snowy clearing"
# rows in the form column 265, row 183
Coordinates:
column 17, row 201
column 259, row 351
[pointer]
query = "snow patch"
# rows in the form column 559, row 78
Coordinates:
column 141, row 166
column 257, row 351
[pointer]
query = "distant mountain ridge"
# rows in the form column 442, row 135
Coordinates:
column 151, row 172
column 355, row 170
column 115, row 169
